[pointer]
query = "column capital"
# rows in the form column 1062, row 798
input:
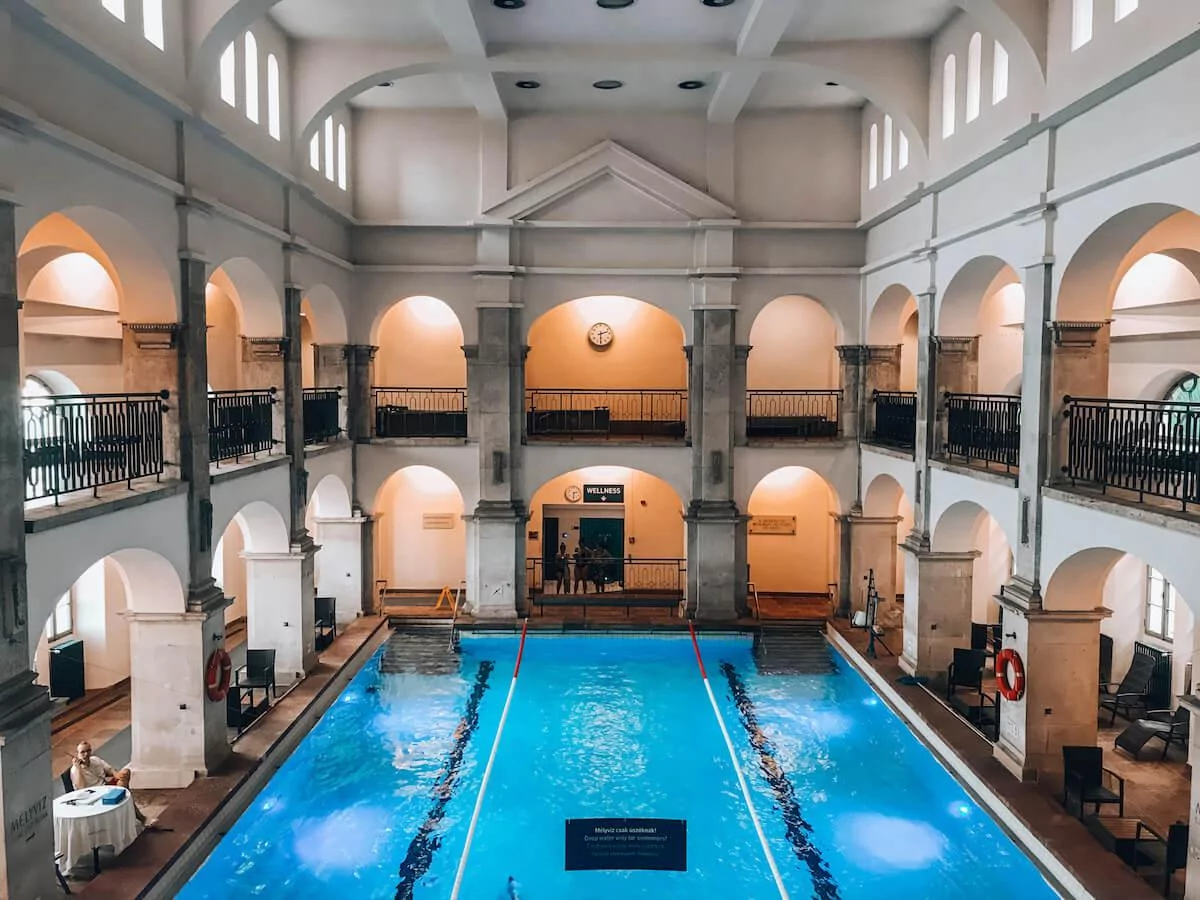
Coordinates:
column 154, row 335
column 361, row 353
column 1078, row 334
column 258, row 348
column 742, row 351
column 860, row 354
column 955, row 344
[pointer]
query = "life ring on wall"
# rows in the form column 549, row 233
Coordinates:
column 1014, row 689
column 217, row 674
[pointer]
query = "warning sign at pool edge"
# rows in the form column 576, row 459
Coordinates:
column 653, row 844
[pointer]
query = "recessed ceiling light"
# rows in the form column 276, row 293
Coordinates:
column 386, row 83
column 832, row 84
column 614, row 4
column 691, row 85
column 508, row 4
column 608, row 84
column 529, row 85
column 717, row 2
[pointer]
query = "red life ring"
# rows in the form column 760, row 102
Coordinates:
column 1014, row 689
column 216, row 675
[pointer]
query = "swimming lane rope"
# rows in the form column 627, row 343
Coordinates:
column 487, row 772
column 762, row 838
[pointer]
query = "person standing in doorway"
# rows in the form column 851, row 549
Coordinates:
column 552, row 574
column 580, row 562
column 564, row 569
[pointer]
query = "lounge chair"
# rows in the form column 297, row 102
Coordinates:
column 1131, row 693
column 1169, row 854
column 1169, row 727
column 1087, row 781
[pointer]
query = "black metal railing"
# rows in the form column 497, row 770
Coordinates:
column 322, row 418
column 984, row 428
column 895, row 419
column 642, row 576
column 240, row 423
column 793, row 414
column 420, row 412
column 1146, row 447
column 606, row 414
column 85, row 441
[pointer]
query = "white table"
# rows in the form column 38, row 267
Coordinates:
column 82, row 827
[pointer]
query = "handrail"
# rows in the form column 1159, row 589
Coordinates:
column 411, row 412
column 487, row 771
column 240, row 423
column 984, row 428
column 606, row 413
column 802, row 413
column 895, row 419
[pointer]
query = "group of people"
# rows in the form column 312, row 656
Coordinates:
column 573, row 572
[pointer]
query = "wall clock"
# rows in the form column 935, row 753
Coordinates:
column 600, row 336
column 573, row 493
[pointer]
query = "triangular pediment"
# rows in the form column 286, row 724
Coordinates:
column 608, row 183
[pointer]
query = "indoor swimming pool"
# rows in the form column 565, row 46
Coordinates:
column 831, row 796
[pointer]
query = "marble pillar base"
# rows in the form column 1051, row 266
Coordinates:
column 338, row 563
column 25, row 790
column 937, row 608
column 280, row 589
column 497, row 582
column 716, row 568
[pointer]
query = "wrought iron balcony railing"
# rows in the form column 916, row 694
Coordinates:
column 1146, row 448
column 420, row 412
column 642, row 576
column 984, row 428
column 321, row 414
column 240, row 423
column 895, row 419
column 793, row 414
column 85, row 441
column 606, row 414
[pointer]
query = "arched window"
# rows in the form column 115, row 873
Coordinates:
column 273, row 96
column 974, row 75
column 1124, row 8
column 873, row 172
column 341, row 158
column 1081, row 22
column 330, row 170
column 116, row 7
column 1182, row 423
column 903, row 153
column 61, row 623
column 314, row 152
column 35, row 388
column 251, row 77
column 949, row 86
column 152, row 23
column 887, row 147
column 229, row 76
column 1185, row 390
column 999, row 74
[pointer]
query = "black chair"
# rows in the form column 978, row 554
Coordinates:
column 1086, row 780
column 325, row 620
column 66, row 782
column 966, row 671
column 1169, row 727
column 258, row 672
column 1131, row 693
column 1169, row 854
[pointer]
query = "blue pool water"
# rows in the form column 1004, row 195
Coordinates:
column 376, row 801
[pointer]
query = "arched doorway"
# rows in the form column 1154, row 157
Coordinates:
column 886, row 499
column 966, row 527
column 420, row 537
column 420, row 380
column 792, row 378
column 606, row 367
column 337, row 567
column 792, row 537
column 604, row 529
column 890, row 381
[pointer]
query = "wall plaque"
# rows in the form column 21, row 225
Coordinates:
column 437, row 521
column 604, row 493
column 648, row 844
column 772, row 525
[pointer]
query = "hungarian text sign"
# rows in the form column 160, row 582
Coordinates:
column 658, row 844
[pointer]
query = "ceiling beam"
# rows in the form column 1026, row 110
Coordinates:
column 763, row 30
column 455, row 20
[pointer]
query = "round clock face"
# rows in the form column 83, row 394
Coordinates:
column 573, row 494
column 600, row 335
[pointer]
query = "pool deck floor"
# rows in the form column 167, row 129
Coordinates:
column 185, row 811
column 1157, row 792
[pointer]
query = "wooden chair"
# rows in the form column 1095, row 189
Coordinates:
column 1131, row 693
column 325, row 621
column 258, row 672
column 1086, row 779
column 1168, row 854
column 965, row 671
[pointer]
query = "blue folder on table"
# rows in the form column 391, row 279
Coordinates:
column 113, row 796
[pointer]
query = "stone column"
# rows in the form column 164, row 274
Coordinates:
column 937, row 608
column 177, row 730
column 1060, row 650
column 279, row 601
column 330, row 371
column 1078, row 368
column 869, row 545
column 150, row 354
column 360, row 375
column 27, row 848
column 370, row 599
column 1193, row 860
column 741, row 357
column 716, row 565
column 496, row 388
column 262, row 369
column 956, row 371
column 852, row 359
column 926, row 406
column 339, row 569
column 881, row 372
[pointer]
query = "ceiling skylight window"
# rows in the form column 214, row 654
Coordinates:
column 1124, row 8
column 999, row 74
column 873, row 174
column 329, row 161
column 949, row 86
column 341, row 158
column 887, row 147
column 116, row 7
column 229, row 75
column 974, row 75
column 251, row 78
column 314, row 153
column 152, row 23
column 1081, row 22
column 273, row 124
column 902, row 153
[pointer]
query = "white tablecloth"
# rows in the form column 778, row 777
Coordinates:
column 81, row 827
